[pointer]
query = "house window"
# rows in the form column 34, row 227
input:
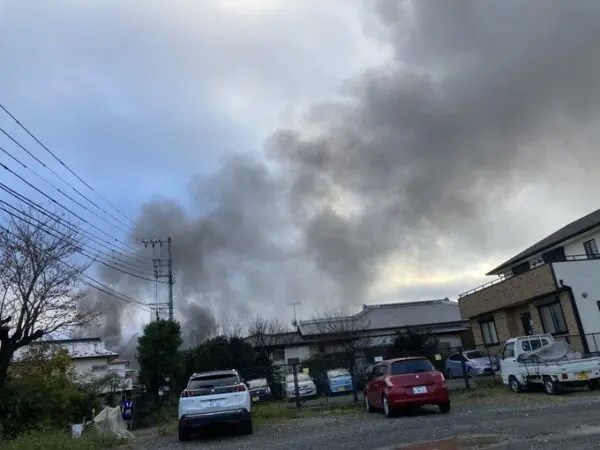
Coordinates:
column 279, row 354
column 591, row 249
column 98, row 367
column 488, row 331
column 553, row 319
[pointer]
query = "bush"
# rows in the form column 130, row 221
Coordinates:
column 37, row 401
column 60, row 440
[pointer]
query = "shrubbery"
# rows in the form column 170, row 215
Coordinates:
column 43, row 395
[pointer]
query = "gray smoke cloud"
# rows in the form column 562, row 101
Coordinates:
column 418, row 165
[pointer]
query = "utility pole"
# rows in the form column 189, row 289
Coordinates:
column 170, row 279
column 158, row 272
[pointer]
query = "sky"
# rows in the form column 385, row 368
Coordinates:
column 333, row 153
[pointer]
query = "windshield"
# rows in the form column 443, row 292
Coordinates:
column 213, row 381
column 261, row 382
column 411, row 366
column 475, row 354
column 337, row 373
column 301, row 377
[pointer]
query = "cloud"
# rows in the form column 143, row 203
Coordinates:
column 473, row 138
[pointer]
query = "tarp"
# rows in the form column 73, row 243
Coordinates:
column 558, row 351
column 109, row 420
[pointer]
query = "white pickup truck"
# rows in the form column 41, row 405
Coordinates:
column 529, row 360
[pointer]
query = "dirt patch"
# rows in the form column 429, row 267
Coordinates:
column 461, row 443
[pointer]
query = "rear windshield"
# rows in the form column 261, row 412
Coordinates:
column 337, row 373
column 475, row 355
column 261, row 382
column 301, row 377
column 213, row 381
column 411, row 366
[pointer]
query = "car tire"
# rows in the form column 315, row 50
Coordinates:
column 552, row 387
column 183, row 434
column 594, row 384
column 388, row 411
column 247, row 427
column 368, row 405
column 449, row 374
column 444, row 407
column 515, row 385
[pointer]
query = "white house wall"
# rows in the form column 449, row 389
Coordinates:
column 584, row 279
column 300, row 352
column 575, row 247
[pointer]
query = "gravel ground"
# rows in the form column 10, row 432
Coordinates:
column 539, row 422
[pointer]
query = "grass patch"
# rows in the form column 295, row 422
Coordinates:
column 60, row 440
column 278, row 412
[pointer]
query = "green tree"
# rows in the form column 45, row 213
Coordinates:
column 157, row 353
column 414, row 343
column 223, row 353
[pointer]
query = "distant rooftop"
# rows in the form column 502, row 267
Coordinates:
column 395, row 315
column 80, row 348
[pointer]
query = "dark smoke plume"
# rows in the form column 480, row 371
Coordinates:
column 412, row 170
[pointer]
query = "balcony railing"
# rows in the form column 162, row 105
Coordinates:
column 533, row 265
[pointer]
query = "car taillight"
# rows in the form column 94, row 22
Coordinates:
column 185, row 394
column 239, row 388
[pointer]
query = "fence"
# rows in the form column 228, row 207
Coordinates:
column 320, row 382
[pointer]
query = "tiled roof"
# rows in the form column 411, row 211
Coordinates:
column 394, row 315
column 77, row 348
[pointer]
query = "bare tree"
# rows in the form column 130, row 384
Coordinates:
column 40, row 282
column 344, row 334
column 265, row 333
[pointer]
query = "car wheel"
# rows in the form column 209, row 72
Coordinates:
column 449, row 374
column 444, row 407
column 594, row 384
column 388, row 411
column 551, row 387
column 515, row 386
column 183, row 434
column 368, row 405
column 247, row 426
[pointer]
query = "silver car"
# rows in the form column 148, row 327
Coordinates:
column 476, row 363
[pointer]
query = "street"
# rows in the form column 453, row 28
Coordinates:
column 530, row 421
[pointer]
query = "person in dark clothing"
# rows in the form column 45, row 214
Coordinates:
column 126, row 407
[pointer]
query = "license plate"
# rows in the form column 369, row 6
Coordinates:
column 255, row 398
column 584, row 376
column 420, row 389
column 215, row 403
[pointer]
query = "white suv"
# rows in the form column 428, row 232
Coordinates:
column 214, row 397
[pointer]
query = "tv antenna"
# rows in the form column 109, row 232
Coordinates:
column 293, row 305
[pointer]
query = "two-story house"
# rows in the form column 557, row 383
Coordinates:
column 551, row 287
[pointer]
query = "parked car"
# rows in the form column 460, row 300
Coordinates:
column 306, row 386
column 405, row 382
column 211, row 398
column 259, row 389
column 476, row 363
column 538, row 359
column 339, row 381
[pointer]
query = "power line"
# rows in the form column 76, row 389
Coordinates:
column 45, row 228
column 77, row 202
column 53, row 200
column 105, row 288
column 105, row 244
column 64, row 165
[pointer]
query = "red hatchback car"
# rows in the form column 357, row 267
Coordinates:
column 403, row 383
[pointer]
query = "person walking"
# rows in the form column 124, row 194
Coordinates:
column 126, row 407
